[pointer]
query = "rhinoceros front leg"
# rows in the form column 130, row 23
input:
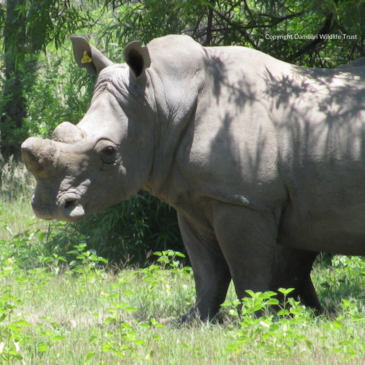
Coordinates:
column 211, row 272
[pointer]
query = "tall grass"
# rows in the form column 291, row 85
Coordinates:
column 16, row 190
column 83, row 314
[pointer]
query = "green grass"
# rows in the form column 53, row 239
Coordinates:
column 61, row 304
column 16, row 190
column 52, row 316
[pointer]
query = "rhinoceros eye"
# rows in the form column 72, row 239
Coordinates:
column 108, row 154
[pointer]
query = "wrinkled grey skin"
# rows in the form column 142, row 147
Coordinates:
column 251, row 152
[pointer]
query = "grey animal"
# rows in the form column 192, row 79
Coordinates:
column 264, row 161
column 359, row 62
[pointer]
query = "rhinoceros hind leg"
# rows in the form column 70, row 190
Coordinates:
column 292, row 269
column 308, row 296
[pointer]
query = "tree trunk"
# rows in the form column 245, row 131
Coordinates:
column 13, row 104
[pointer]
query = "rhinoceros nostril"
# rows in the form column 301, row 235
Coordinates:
column 70, row 204
column 72, row 210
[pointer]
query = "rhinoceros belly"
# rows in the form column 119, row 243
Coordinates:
column 339, row 231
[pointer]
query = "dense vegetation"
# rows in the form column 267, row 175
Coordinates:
column 60, row 302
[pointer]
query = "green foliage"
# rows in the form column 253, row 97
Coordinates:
column 78, row 312
column 85, row 261
column 286, row 334
column 169, row 259
column 53, row 20
column 60, row 93
column 127, row 232
column 319, row 34
column 28, row 28
column 149, row 19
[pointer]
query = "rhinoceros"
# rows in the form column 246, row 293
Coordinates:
column 264, row 161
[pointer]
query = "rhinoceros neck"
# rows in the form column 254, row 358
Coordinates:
column 173, row 118
column 176, row 77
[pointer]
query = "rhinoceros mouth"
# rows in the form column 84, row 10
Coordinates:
column 69, row 210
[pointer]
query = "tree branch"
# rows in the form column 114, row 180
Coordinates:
column 210, row 24
column 326, row 29
column 233, row 25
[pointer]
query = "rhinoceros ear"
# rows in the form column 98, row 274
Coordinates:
column 137, row 58
column 88, row 56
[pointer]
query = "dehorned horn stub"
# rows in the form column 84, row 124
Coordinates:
column 40, row 156
column 67, row 132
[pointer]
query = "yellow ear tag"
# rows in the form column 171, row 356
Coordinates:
column 86, row 58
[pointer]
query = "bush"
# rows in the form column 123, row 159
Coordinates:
column 125, row 233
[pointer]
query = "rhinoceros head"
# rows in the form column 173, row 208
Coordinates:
column 87, row 167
